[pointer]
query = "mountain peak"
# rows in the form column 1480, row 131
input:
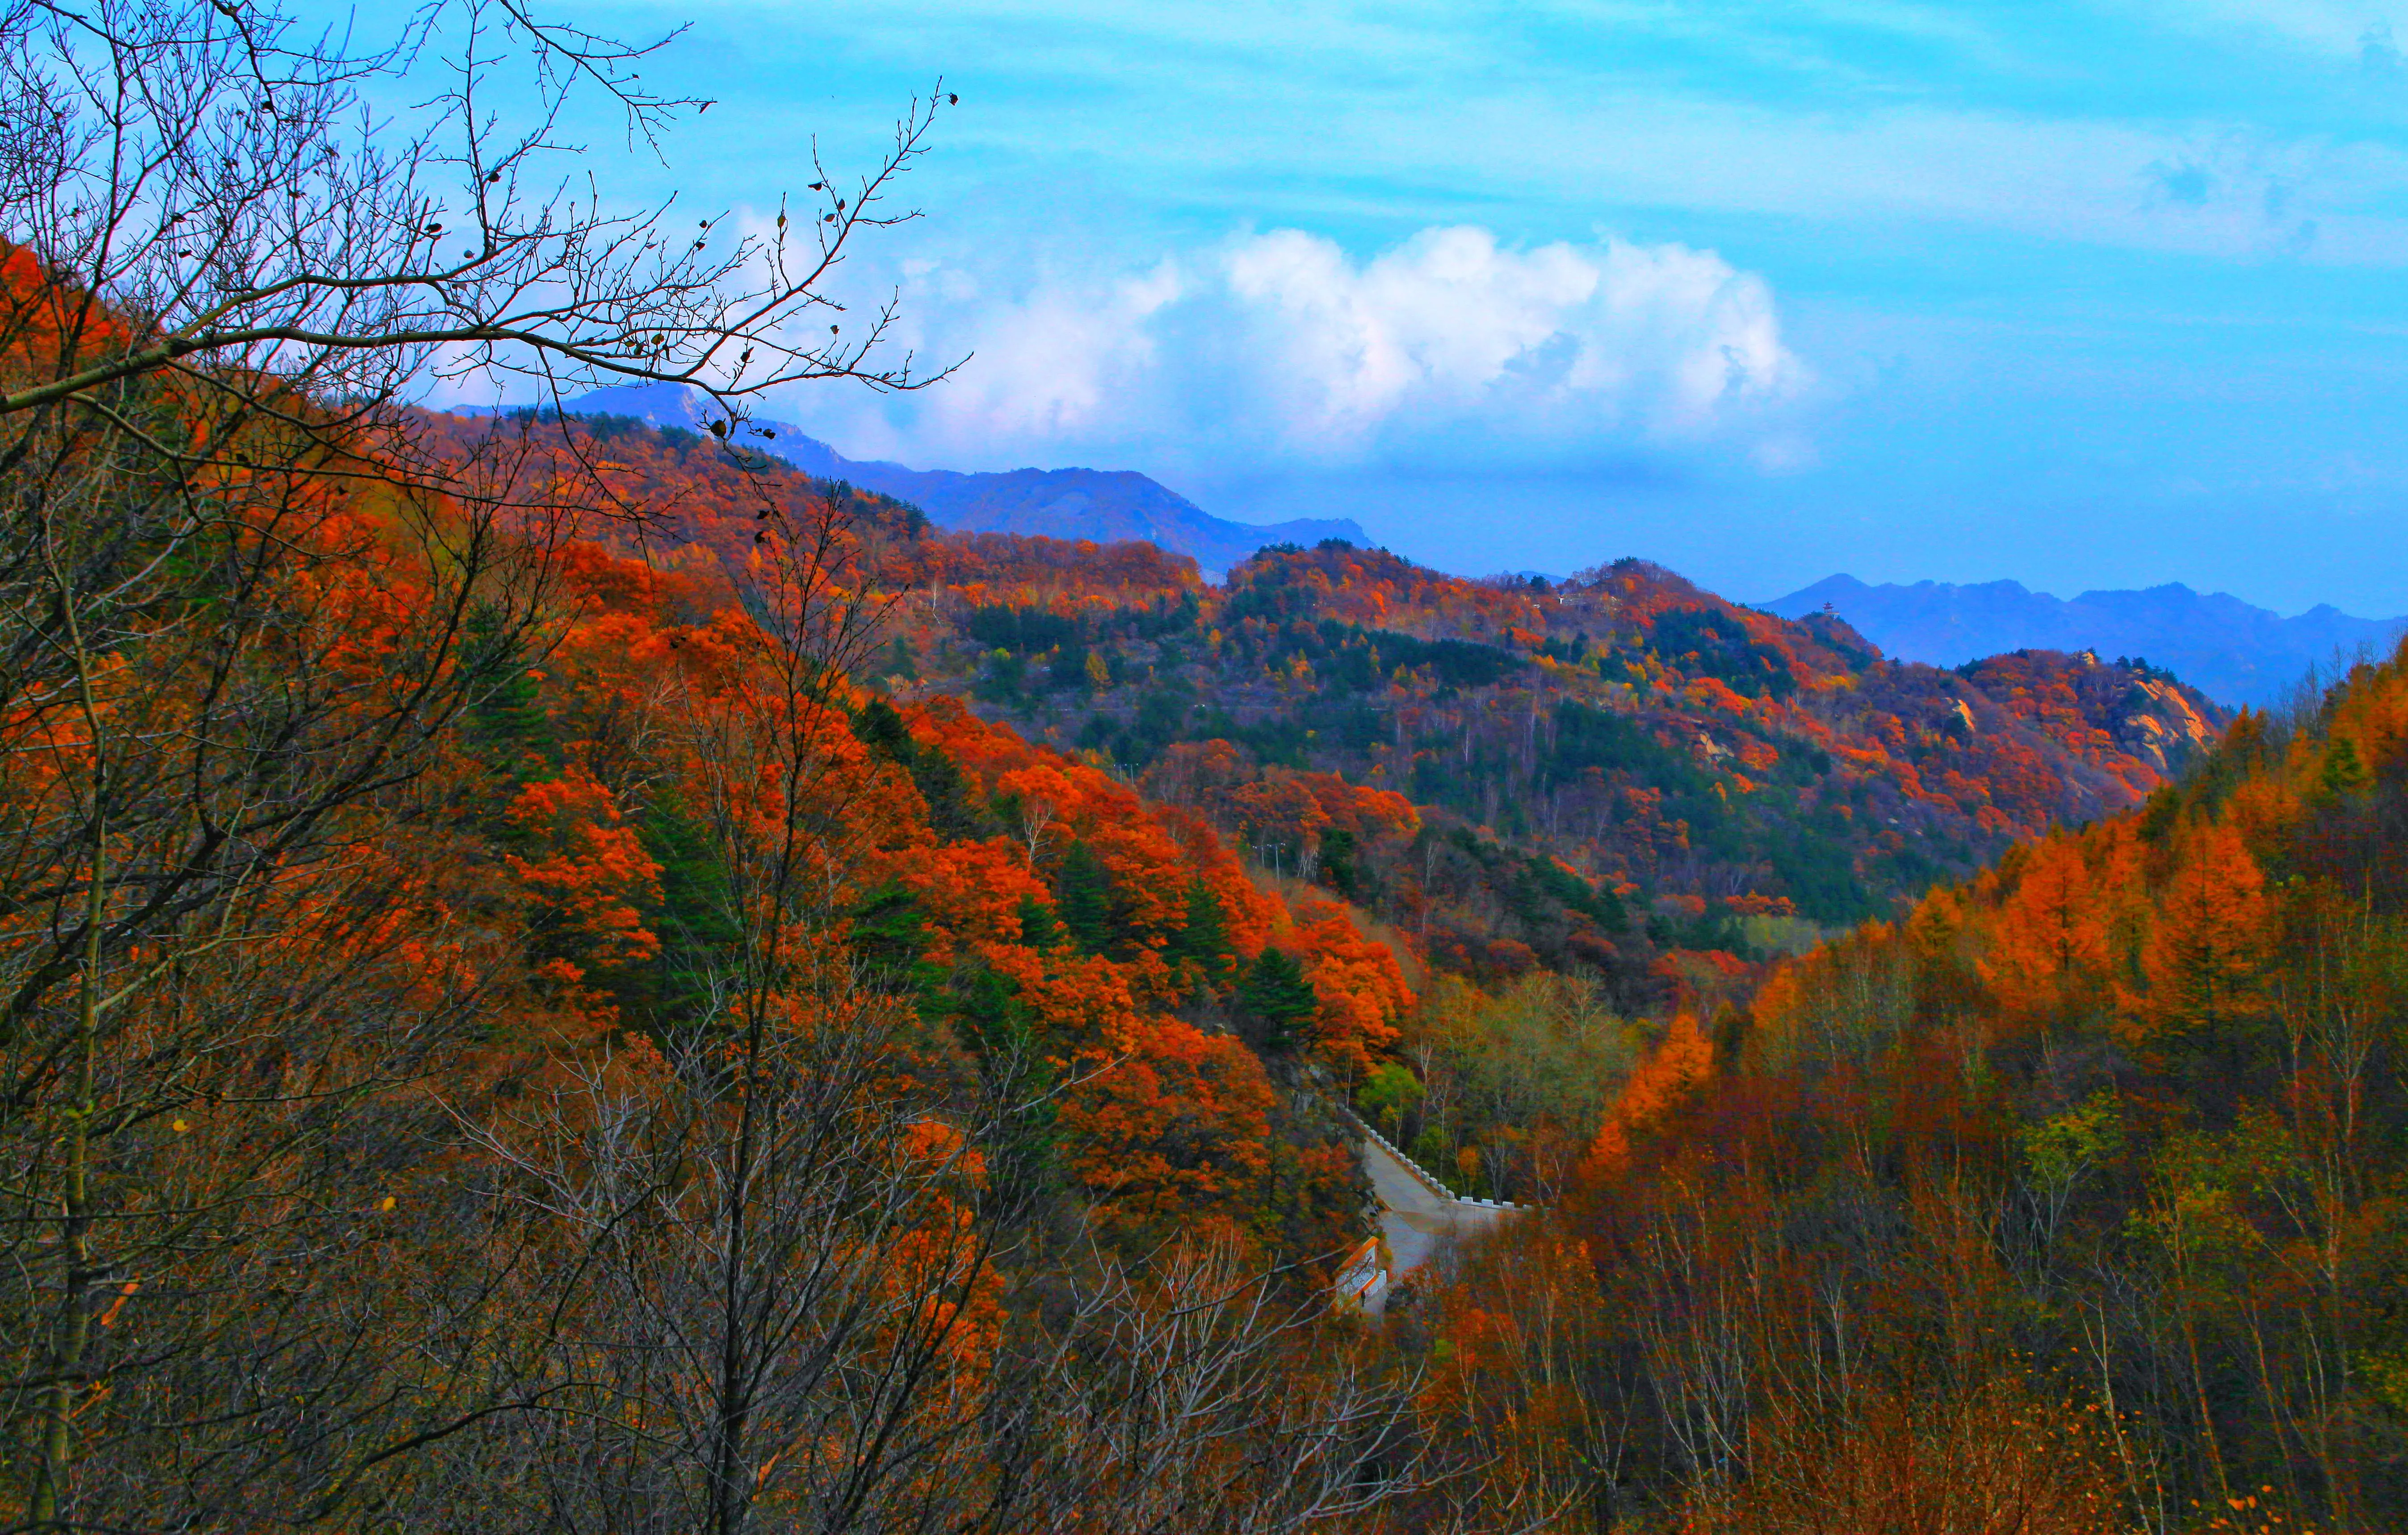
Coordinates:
column 659, row 404
column 1102, row 505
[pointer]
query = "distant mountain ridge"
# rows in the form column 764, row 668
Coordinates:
column 2231, row 651
column 1103, row 504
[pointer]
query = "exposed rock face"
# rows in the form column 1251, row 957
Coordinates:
column 2105, row 713
column 2163, row 724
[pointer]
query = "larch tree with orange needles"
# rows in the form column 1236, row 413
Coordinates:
column 1682, row 1060
column 2205, row 956
column 2048, row 953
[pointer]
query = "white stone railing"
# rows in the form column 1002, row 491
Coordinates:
column 1419, row 1172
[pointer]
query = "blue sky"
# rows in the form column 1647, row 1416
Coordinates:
column 2083, row 295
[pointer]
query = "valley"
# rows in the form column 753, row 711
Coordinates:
column 573, row 959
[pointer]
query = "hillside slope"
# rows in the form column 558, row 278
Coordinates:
column 2232, row 651
column 518, row 930
column 1712, row 762
column 2086, row 1174
column 1609, row 773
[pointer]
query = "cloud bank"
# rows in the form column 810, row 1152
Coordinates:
column 1281, row 347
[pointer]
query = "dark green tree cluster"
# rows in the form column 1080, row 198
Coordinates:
column 1203, row 941
column 1277, row 1000
column 955, row 811
column 1083, row 901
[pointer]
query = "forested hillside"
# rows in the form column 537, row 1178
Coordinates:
column 611, row 822
column 1723, row 778
column 526, row 1005
column 1623, row 781
column 560, row 975
column 2070, row 1199
column 1654, row 737
column 505, row 1029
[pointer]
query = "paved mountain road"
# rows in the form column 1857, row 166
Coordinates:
column 1420, row 1223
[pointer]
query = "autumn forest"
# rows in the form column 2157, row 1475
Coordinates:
column 558, row 973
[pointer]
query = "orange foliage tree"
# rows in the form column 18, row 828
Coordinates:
column 1361, row 992
column 2206, row 951
column 2048, row 953
column 1680, row 1061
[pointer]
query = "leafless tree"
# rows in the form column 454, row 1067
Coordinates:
column 291, row 1236
column 766, row 1292
column 227, row 705
column 244, row 608
column 205, row 195
column 1196, row 1395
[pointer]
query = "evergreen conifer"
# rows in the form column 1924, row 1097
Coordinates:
column 1038, row 928
column 1082, row 896
column 1205, row 939
column 1278, row 998
column 881, row 729
column 1337, row 860
column 1003, row 1035
column 2344, row 772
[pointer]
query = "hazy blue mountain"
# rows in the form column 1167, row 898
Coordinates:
column 2219, row 644
column 1100, row 503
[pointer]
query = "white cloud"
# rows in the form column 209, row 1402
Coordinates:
column 1449, row 326
column 1282, row 345
column 1053, row 363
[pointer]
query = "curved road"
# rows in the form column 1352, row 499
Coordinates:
column 1420, row 1223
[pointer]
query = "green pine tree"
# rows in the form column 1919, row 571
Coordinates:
column 507, row 723
column 1082, row 898
column 1277, row 998
column 691, row 919
column 1038, row 928
column 1022, row 1144
column 887, row 933
column 952, row 812
column 1205, row 937
column 2344, row 773
column 878, row 727
column 1337, row 860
